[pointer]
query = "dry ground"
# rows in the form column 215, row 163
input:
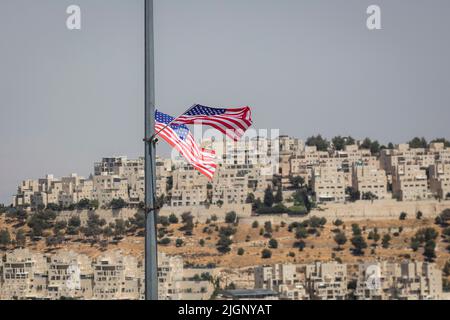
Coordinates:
column 317, row 248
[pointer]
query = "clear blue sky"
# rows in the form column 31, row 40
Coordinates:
column 69, row 98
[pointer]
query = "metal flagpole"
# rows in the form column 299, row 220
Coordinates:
column 151, row 255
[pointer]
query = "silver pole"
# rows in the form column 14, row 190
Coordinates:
column 151, row 256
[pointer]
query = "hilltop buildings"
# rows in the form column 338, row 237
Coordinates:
column 112, row 276
column 404, row 281
column 248, row 167
column 408, row 280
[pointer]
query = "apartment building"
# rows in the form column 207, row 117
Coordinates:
column 23, row 275
column 409, row 182
column 329, row 184
column 369, row 180
column 302, row 164
column 419, row 281
column 375, row 280
column 112, row 276
column 286, row 279
column 391, row 158
column 409, row 280
column 110, row 187
column 69, row 275
column 116, row 277
column 440, row 179
column 326, row 281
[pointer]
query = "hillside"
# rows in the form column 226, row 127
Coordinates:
column 320, row 246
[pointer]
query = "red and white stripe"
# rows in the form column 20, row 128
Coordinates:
column 233, row 123
column 201, row 159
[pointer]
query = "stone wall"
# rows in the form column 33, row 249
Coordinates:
column 365, row 210
column 108, row 215
column 200, row 213
column 360, row 210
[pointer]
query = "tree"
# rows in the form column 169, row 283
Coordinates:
column 59, row 226
column 297, row 181
column 5, row 238
column 301, row 199
column 419, row 215
column 385, row 242
column 108, row 231
column 442, row 140
column 403, row 216
column 18, row 214
column 278, row 196
column 300, row 245
column 21, row 238
column 179, row 243
column 429, row 250
column 338, row 223
column 415, row 244
column 369, row 196
column 268, row 197
column 255, row 224
column 240, row 252
column 444, row 218
column 54, row 241
column 74, row 222
column 340, row 239
column 301, row 233
column 353, row 194
column 366, row 144
column 188, row 223
column 273, row 244
column 257, row 205
column 338, row 143
column 319, row 142
column 94, row 225
column 376, row 237
column 224, row 243
column 268, row 227
column 138, row 221
column 164, row 221
column 41, row 221
column 231, row 217
column 446, row 269
column 160, row 201
column 375, row 147
column 164, row 241
column 83, row 204
column 356, row 230
column 117, row 204
column 359, row 244
column 266, row 254
column 120, row 228
column 173, row 219
column 201, row 242
column 94, row 204
column 417, row 143
column 53, row 207
column 250, row 198
column 426, row 234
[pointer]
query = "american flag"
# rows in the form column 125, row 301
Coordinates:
column 232, row 122
column 180, row 138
